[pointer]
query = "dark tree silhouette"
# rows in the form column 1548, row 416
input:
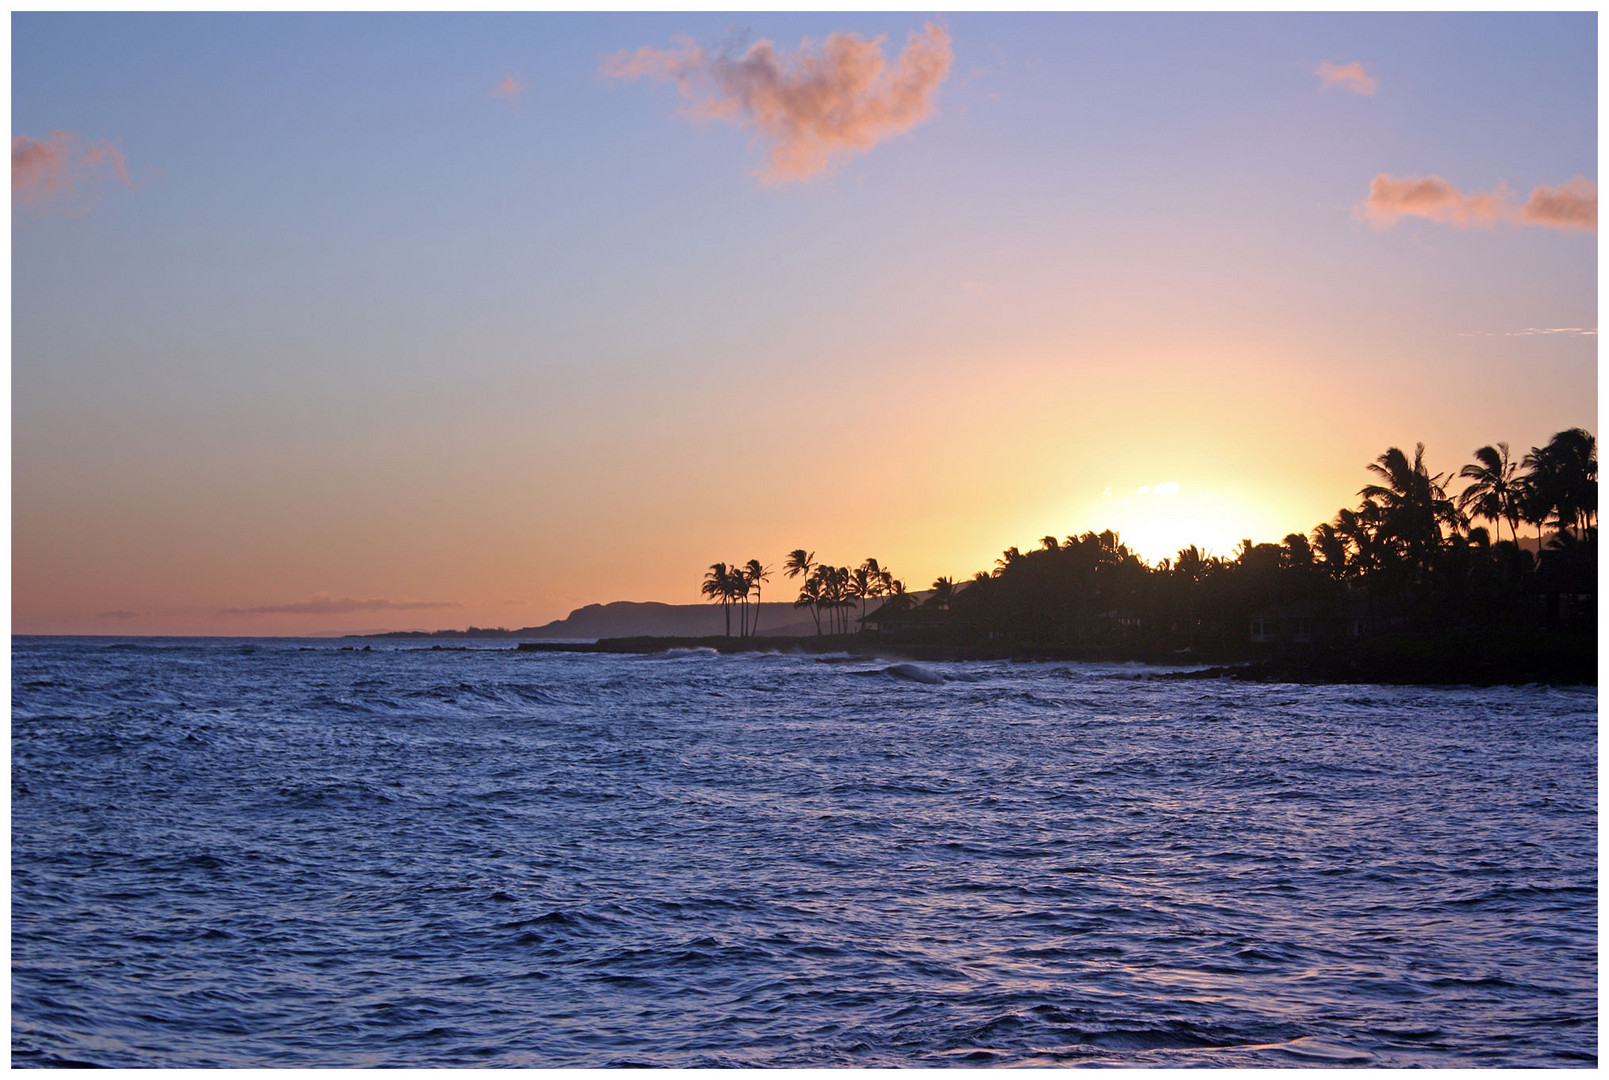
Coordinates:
column 1493, row 493
column 718, row 587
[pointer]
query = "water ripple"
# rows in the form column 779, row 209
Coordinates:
column 283, row 854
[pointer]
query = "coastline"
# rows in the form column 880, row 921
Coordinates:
column 1453, row 658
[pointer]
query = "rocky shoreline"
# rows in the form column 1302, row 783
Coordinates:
column 1447, row 659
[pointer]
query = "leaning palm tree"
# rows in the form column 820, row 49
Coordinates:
column 800, row 561
column 718, row 587
column 754, row 573
column 810, row 597
column 1493, row 494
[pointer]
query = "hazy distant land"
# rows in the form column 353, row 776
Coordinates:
column 629, row 618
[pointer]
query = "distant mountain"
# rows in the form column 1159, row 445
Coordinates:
column 629, row 618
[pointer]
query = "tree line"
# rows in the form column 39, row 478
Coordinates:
column 1409, row 551
column 831, row 593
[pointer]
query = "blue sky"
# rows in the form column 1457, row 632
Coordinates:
column 358, row 326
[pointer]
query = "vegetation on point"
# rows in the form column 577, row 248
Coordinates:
column 1409, row 556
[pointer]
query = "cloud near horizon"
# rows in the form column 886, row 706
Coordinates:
column 1536, row 331
column 45, row 172
column 810, row 106
column 1570, row 205
column 323, row 604
column 1351, row 76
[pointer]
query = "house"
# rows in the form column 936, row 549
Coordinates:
column 1286, row 625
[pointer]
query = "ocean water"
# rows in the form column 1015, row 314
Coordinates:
column 280, row 853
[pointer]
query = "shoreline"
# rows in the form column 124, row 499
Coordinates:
column 1459, row 658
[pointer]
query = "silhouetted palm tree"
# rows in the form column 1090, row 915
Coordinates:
column 1331, row 547
column 1295, row 552
column 810, row 597
column 1190, row 564
column 800, row 561
column 740, row 592
column 718, row 587
column 1493, row 494
column 755, row 574
column 860, row 587
column 1563, row 479
column 943, row 589
column 1413, row 504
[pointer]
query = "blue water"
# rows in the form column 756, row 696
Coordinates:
column 279, row 853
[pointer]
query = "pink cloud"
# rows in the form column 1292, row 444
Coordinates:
column 510, row 88
column 1391, row 197
column 1571, row 205
column 1351, row 76
column 45, row 172
column 811, row 106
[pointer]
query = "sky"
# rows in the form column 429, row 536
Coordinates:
column 328, row 323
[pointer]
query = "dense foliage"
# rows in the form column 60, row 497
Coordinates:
column 1408, row 556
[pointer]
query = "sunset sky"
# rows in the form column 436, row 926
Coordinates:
column 344, row 323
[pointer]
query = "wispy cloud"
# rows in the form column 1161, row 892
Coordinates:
column 1351, row 76
column 324, row 604
column 46, row 172
column 809, row 106
column 1571, row 205
column 1534, row 331
column 509, row 89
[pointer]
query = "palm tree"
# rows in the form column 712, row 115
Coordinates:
column 754, row 574
column 1331, row 547
column 1355, row 528
column 1493, row 494
column 1007, row 558
column 1564, row 479
column 718, row 587
column 860, row 587
column 1413, row 504
column 1190, row 563
column 810, row 597
column 943, row 589
column 1296, row 552
column 740, row 591
column 831, row 582
column 800, row 561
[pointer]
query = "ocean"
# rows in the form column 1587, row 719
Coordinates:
column 300, row 853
